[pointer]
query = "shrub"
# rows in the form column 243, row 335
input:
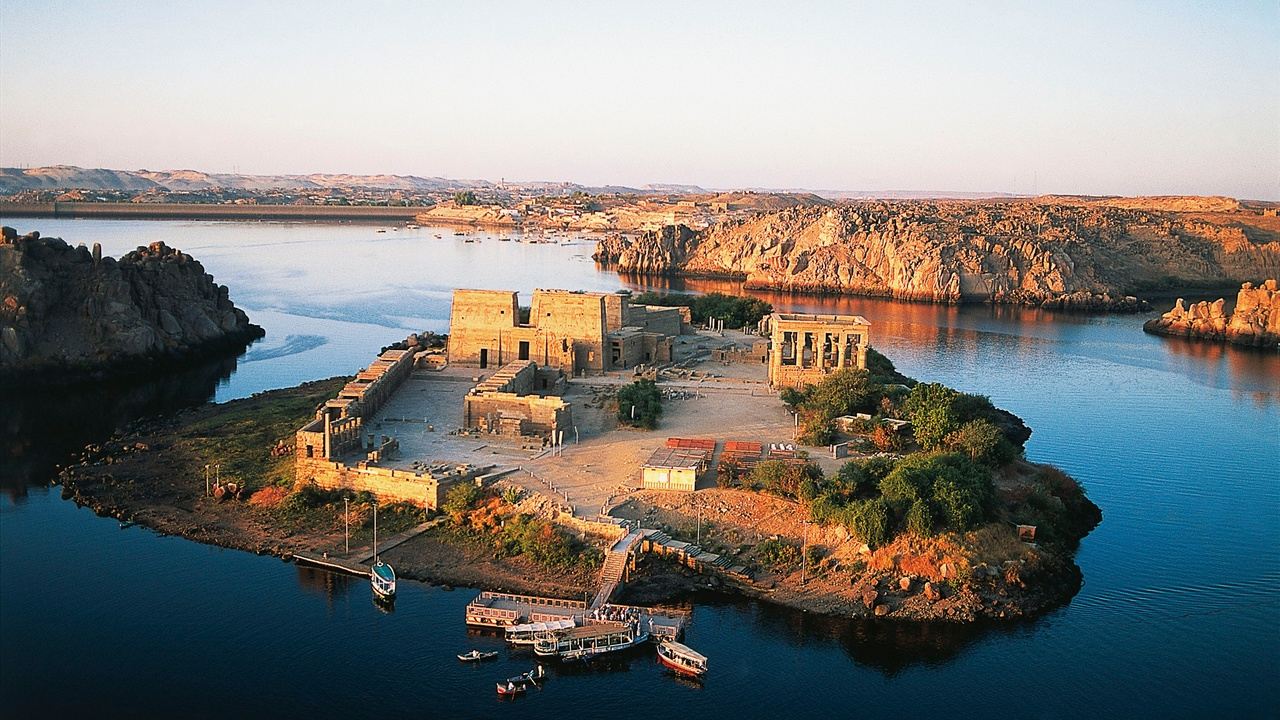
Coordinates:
column 734, row 310
column 465, row 197
column 961, row 489
column 646, row 399
column 459, row 499
column 854, row 478
column 982, row 442
column 845, row 392
column 544, row 543
column 931, row 409
column 511, row 494
column 920, row 519
column 886, row 439
column 817, row 428
column 877, row 468
column 791, row 397
column 870, row 520
column 776, row 552
column 782, row 477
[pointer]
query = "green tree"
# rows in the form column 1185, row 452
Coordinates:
column 920, row 519
column 931, row 409
column 459, row 499
column 853, row 478
column 640, row 404
column 465, row 197
column 845, row 392
column 982, row 442
column 871, row 520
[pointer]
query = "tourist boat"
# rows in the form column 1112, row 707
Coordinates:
column 526, row 633
column 592, row 640
column 381, row 576
column 682, row 659
column 477, row 656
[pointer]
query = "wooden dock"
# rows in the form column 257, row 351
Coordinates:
column 357, row 563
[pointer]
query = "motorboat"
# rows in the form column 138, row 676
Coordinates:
column 682, row 659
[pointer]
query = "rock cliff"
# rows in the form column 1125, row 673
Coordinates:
column 1055, row 255
column 1255, row 320
column 67, row 313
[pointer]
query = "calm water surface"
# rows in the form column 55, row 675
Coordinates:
column 1178, row 443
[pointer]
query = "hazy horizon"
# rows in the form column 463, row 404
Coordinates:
column 1092, row 99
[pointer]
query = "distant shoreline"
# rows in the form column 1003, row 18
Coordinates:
column 201, row 210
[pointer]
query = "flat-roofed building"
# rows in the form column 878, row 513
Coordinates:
column 804, row 349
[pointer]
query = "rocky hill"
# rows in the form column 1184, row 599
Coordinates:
column 67, row 313
column 1057, row 255
column 1255, row 320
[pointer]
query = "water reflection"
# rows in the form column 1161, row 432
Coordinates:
column 42, row 428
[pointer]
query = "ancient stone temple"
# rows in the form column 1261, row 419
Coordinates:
column 803, row 349
column 578, row 332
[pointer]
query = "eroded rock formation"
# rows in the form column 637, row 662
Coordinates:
column 1255, row 320
column 68, row 312
column 1089, row 257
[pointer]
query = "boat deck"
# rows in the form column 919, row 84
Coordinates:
column 500, row 610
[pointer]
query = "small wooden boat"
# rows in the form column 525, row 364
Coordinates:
column 682, row 659
column 510, row 689
column 477, row 656
column 534, row 675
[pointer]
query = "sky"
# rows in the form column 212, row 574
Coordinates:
column 982, row 96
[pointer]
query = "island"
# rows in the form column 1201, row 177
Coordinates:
column 603, row 452
column 1254, row 320
column 70, row 314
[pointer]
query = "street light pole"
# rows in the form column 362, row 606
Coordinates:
column 346, row 519
column 206, row 479
column 804, row 555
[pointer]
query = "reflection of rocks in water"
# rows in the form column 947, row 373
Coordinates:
column 43, row 427
column 887, row 646
column 327, row 584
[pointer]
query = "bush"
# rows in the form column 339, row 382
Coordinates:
column 816, row 428
column 511, row 494
column 877, row 468
column 645, row 397
column 982, row 442
column 465, row 197
column 845, row 392
column 735, row 311
column 931, row 409
column 961, row 489
column 459, row 499
column 791, row 397
column 871, row 521
column 854, row 478
column 776, row 552
column 545, row 543
column 887, row 439
column 783, row 477
column 920, row 519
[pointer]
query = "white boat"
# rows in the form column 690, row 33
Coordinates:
column 682, row 659
column 526, row 633
column 477, row 656
column 381, row 576
column 589, row 640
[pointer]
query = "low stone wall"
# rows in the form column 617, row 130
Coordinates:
column 388, row 484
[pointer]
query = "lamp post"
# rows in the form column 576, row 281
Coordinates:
column 206, row 479
column 346, row 528
column 804, row 554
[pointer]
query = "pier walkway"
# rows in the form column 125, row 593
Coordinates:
column 501, row 610
column 357, row 563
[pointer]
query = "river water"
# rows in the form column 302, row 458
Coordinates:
column 1178, row 443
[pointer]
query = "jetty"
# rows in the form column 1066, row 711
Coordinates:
column 357, row 563
column 502, row 610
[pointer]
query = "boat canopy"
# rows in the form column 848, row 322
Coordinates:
column 538, row 627
column 685, row 651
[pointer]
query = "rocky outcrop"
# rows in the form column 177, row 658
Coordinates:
column 1254, row 322
column 68, row 313
column 1086, row 257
